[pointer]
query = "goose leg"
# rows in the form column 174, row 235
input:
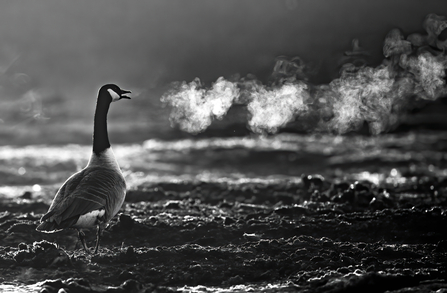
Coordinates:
column 82, row 238
column 98, row 238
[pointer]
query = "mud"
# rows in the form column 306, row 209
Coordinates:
column 308, row 235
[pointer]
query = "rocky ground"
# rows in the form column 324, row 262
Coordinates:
column 262, row 234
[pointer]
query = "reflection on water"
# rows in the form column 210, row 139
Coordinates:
column 20, row 288
column 41, row 168
column 283, row 287
column 280, row 287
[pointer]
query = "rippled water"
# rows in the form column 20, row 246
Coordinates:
column 37, row 168
column 12, row 288
column 280, row 287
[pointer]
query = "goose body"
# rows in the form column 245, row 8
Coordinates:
column 94, row 195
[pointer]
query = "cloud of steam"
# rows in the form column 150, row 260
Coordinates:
column 194, row 107
column 429, row 74
column 414, row 68
column 365, row 95
column 273, row 108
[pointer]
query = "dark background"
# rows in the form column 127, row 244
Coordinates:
column 65, row 50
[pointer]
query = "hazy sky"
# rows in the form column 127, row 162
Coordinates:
column 82, row 44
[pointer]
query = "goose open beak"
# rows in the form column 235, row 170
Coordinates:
column 123, row 94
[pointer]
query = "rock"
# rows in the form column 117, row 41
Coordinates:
column 172, row 204
column 126, row 275
column 319, row 196
column 22, row 246
column 312, row 181
column 78, row 285
column 27, row 195
column 41, row 255
column 235, row 280
column 229, row 221
column 292, row 210
column 125, row 222
column 129, row 256
column 52, row 285
column 128, row 286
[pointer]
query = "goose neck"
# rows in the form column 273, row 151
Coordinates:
column 100, row 135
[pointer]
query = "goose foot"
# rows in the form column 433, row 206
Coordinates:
column 98, row 238
column 82, row 238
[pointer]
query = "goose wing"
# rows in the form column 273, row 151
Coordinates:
column 85, row 191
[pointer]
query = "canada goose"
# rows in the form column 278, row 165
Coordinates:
column 94, row 195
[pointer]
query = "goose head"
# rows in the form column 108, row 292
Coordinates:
column 112, row 93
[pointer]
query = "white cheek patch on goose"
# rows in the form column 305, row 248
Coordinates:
column 114, row 95
column 89, row 219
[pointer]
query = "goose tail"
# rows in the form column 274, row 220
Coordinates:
column 47, row 227
column 54, row 225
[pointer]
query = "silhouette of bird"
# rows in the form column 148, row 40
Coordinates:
column 94, row 195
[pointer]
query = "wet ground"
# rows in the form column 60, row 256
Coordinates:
column 288, row 213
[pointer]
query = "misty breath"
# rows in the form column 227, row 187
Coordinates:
column 194, row 107
column 414, row 68
column 271, row 109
